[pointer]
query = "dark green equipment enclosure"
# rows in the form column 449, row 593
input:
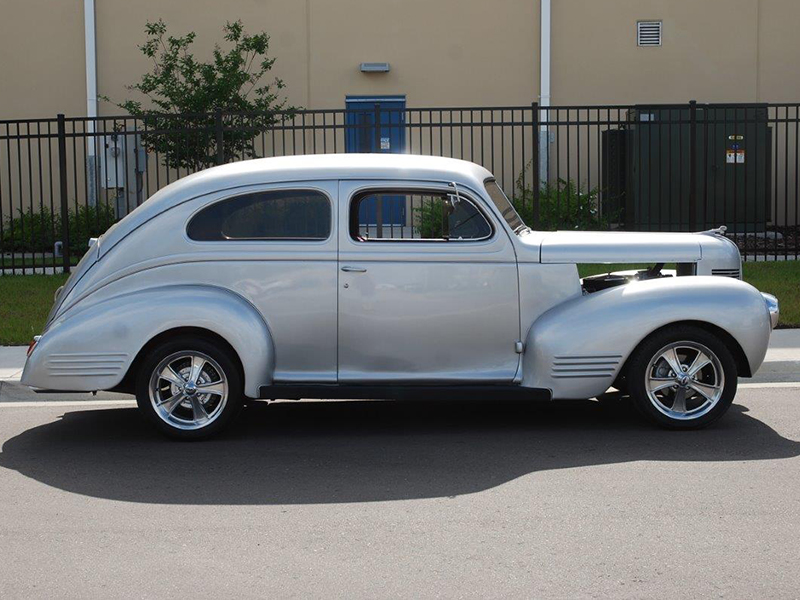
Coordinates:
column 647, row 168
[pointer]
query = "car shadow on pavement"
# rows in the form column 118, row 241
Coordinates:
column 318, row 452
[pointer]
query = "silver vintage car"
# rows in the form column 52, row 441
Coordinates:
column 390, row 276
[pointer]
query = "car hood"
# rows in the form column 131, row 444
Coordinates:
column 621, row 247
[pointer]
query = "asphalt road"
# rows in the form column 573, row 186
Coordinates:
column 379, row 499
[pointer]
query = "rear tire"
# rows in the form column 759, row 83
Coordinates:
column 682, row 377
column 189, row 388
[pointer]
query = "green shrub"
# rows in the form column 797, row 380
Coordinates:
column 430, row 218
column 31, row 231
column 562, row 205
column 37, row 232
column 88, row 222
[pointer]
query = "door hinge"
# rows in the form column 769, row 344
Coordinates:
column 519, row 347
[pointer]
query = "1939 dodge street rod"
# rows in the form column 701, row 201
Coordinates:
column 390, row 276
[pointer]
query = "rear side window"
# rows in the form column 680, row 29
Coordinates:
column 275, row 215
column 416, row 215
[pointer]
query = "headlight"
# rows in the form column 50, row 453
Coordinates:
column 772, row 308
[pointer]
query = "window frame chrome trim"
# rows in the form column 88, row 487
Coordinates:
column 446, row 190
column 293, row 240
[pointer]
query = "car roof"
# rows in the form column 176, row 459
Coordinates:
column 308, row 167
column 326, row 166
column 342, row 164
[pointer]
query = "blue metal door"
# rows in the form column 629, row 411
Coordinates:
column 362, row 135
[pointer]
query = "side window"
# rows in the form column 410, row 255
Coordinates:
column 416, row 215
column 275, row 215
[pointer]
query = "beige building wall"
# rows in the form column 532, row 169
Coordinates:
column 713, row 51
column 778, row 76
column 444, row 53
column 320, row 44
column 42, row 70
column 708, row 52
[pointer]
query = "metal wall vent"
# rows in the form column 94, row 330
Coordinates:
column 648, row 33
column 374, row 67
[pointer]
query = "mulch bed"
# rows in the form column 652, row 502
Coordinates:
column 786, row 242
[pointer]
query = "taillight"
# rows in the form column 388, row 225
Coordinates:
column 32, row 345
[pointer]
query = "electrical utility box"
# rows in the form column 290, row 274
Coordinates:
column 646, row 168
column 123, row 162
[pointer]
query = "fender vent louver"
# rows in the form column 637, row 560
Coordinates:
column 585, row 365
column 86, row 364
column 726, row 273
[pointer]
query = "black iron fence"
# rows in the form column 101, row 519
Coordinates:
column 677, row 167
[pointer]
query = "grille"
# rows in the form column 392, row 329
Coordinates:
column 726, row 273
column 648, row 33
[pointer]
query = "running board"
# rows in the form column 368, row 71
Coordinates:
column 402, row 392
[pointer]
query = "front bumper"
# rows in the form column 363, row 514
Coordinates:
column 772, row 308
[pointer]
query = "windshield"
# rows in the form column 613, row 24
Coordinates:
column 505, row 207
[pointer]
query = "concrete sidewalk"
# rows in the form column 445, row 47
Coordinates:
column 784, row 345
column 782, row 361
column 12, row 360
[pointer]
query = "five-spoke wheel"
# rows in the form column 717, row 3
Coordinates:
column 685, row 380
column 188, row 390
column 189, row 387
column 682, row 377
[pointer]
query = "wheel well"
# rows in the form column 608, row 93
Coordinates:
column 128, row 383
column 742, row 364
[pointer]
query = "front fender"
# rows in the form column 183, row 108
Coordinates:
column 577, row 348
column 93, row 348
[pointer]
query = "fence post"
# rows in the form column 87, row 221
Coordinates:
column 219, row 136
column 537, row 184
column 62, row 173
column 377, row 118
column 693, row 163
column 377, row 148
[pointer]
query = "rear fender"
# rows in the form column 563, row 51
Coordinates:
column 577, row 348
column 93, row 348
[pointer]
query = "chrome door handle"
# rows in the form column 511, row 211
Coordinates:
column 354, row 270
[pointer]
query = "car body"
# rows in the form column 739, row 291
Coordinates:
column 313, row 275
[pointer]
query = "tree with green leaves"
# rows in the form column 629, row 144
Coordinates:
column 187, row 96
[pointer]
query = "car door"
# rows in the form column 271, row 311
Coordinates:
column 276, row 246
column 432, row 300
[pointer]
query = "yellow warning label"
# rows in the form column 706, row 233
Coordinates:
column 734, row 157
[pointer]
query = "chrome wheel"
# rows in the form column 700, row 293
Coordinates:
column 684, row 380
column 188, row 390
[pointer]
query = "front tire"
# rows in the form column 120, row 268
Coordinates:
column 189, row 388
column 682, row 377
